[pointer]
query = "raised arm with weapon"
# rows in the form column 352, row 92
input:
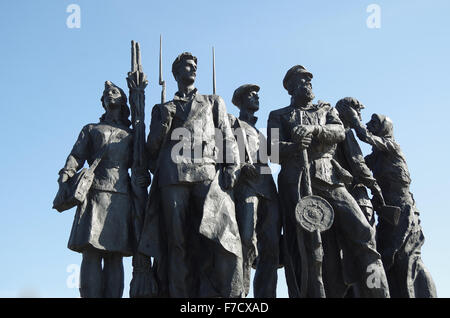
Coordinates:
column 142, row 283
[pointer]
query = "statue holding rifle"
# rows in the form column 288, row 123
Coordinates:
column 190, row 227
column 103, row 228
column 109, row 202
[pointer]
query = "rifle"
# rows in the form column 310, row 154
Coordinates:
column 143, row 283
column 137, row 81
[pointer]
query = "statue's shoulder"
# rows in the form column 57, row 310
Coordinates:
column 87, row 129
column 162, row 105
column 232, row 119
column 212, row 98
column 168, row 103
column 281, row 111
column 91, row 126
column 322, row 105
column 325, row 109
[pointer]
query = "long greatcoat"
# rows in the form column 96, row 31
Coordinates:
column 205, row 114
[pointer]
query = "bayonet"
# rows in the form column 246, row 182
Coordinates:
column 138, row 60
column 214, row 70
column 161, row 81
column 133, row 57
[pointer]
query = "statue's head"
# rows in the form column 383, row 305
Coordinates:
column 245, row 97
column 297, row 82
column 349, row 108
column 184, row 68
column 381, row 126
column 114, row 97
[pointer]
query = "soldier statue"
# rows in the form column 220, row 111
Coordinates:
column 256, row 198
column 190, row 227
column 399, row 245
column 317, row 128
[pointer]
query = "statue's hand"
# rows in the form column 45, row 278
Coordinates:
column 249, row 171
column 143, row 181
column 302, row 131
column 362, row 133
column 137, row 80
column 229, row 178
column 377, row 199
column 168, row 111
column 63, row 178
column 354, row 121
column 305, row 142
column 302, row 135
column 141, row 178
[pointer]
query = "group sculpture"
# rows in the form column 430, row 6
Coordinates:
column 213, row 211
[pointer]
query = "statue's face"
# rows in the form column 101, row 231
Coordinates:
column 302, row 87
column 250, row 101
column 112, row 97
column 374, row 125
column 187, row 71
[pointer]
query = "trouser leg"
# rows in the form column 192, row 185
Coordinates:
column 412, row 278
column 288, row 193
column 424, row 286
column 113, row 275
column 268, row 231
column 91, row 275
column 160, row 268
column 218, row 273
column 246, row 207
column 175, row 201
column 360, row 238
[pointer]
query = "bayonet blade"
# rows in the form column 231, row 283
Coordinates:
column 214, row 71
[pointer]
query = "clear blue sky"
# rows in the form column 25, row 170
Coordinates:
column 52, row 78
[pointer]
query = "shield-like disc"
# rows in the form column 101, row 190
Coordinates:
column 314, row 213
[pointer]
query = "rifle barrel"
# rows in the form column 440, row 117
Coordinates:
column 160, row 60
column 133, row 56
column 138, row 54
